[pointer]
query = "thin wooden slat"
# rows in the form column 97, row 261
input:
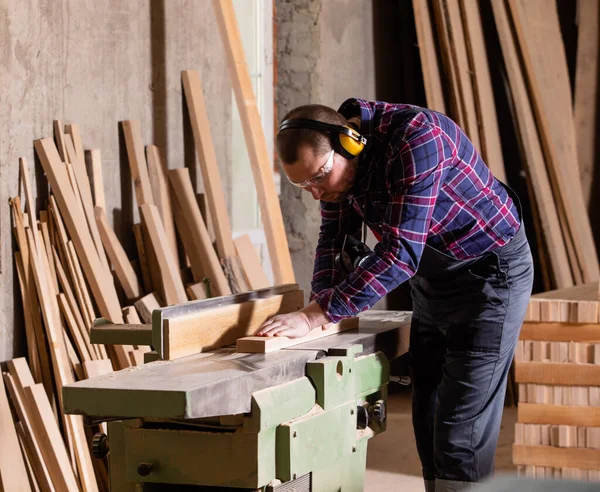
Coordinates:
column 586, row 91
column 560, row 332
column 586, row 459
column 538, row 30
column 532, row 151
column 48, row 435
column 26, row 457
column 585, row 416
column 30, row 203
column 87, row 301
column 182, row 185
column 146, row 305
column 72, row 129
column 102, row 286
column 223, row 325
column 196, row 291
column 85, row 193
column 263, row 345
column 256, row 143
column 136, row 357
column 82, row 348
column 252, row 268
column 174, row 291
column 489, row 134
column 211, row 178
column 125, row 273
column 94, row 162
column 429, row 58
column 193, row 254
column 131, row 316
column 60, row 140
column 143, row 257
column 42, row 475
column 13, row 473
column 551, row 373
column 137, row 162
column 157, row 172
column 48, row 248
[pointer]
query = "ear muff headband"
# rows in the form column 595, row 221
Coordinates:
column 347, row 142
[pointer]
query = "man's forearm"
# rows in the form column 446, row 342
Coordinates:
column 315, row 315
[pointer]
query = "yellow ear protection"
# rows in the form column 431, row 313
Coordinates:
column 344, row 140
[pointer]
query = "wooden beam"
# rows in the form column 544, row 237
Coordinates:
column 211, row 178
column 174, row 291
column 102, row 286
column 586, row 459
column 13, row 474
column 538, row 31
column 143, row 257
column 260, row 159
column 125, row 273
column 532, row 151
column 555, row 373
column 146, row 305
column 429, row 58
column 59, row 136
column 137, row 162
column 263, row 345
column 73, row 131
column 94, row 162
column 253, row 271
column 194, row 254
column 560, row 332
column 217, row 327
column 184, row 192
column 583, row 416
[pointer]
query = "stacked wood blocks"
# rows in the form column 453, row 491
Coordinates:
column 558, row 372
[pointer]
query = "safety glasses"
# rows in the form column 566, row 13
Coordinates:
column 319, row 176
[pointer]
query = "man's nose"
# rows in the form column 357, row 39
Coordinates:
column 315, row 192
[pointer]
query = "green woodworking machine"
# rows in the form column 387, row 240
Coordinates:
column 298, row 419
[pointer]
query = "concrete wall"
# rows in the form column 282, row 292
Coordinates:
column 97, row 62
column 325, row 54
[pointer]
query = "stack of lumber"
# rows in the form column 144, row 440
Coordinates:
column 556, row 137
column 558, row 372
column 72, row 269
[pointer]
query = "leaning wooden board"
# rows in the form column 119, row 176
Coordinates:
column 263, row 345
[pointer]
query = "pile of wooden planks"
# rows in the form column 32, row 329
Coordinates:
column 556, row 140
column 558, row 372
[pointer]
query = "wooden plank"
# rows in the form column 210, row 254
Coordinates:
column 184, row 192
column 551, row 373
column 13, row 473
column 429, row 58
column 78, row 277
column 50, row 440
column 538, row 30
column 263, row 345
column 85, row 193
column 585, row 416
column 254, row 274
column 584, row 292
column 193, row 254
column 157, row 172
column 223, row 325
column 143, row 258
column 464, row 69
column 26, row 457
column 196, row 291
column 211, row 178
column 560, row 332
column 174, row 291
column 94, row 368
column 532, row 151
column 72, row 129
column 586, row 459
column 146, row 306
column 15, row 390
column 260, row 159
column 125, row 273
column 94, row 162
column 137, row 162
column 129, row 334
column 585, row 105
column 131, row 315
column 48, row 250
column 489, row 134
column 30, row 202
column 102, row 286
column 82, row 348
column 136, row 357
column 60, row 140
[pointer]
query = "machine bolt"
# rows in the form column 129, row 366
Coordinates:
column 100, row 445
column 362, row 417
column 379, row 411
column 144, row 469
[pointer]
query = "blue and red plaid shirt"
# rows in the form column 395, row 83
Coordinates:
column 421, row 181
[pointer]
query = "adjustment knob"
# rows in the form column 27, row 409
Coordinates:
column 362, row 417
column 379, row 411
column 144, row 469
column 100, row 445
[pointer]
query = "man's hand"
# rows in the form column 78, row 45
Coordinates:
column 292, row 325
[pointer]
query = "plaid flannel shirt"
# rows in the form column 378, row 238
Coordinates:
column 419, row 181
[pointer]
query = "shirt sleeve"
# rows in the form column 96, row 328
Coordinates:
column 416, row 166
column 337, row 219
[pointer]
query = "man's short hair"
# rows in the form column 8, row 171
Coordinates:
column 289, row 141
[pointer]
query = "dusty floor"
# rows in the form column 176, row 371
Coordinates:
column 392, row 460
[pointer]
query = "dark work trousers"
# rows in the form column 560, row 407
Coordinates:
column 466, row 321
